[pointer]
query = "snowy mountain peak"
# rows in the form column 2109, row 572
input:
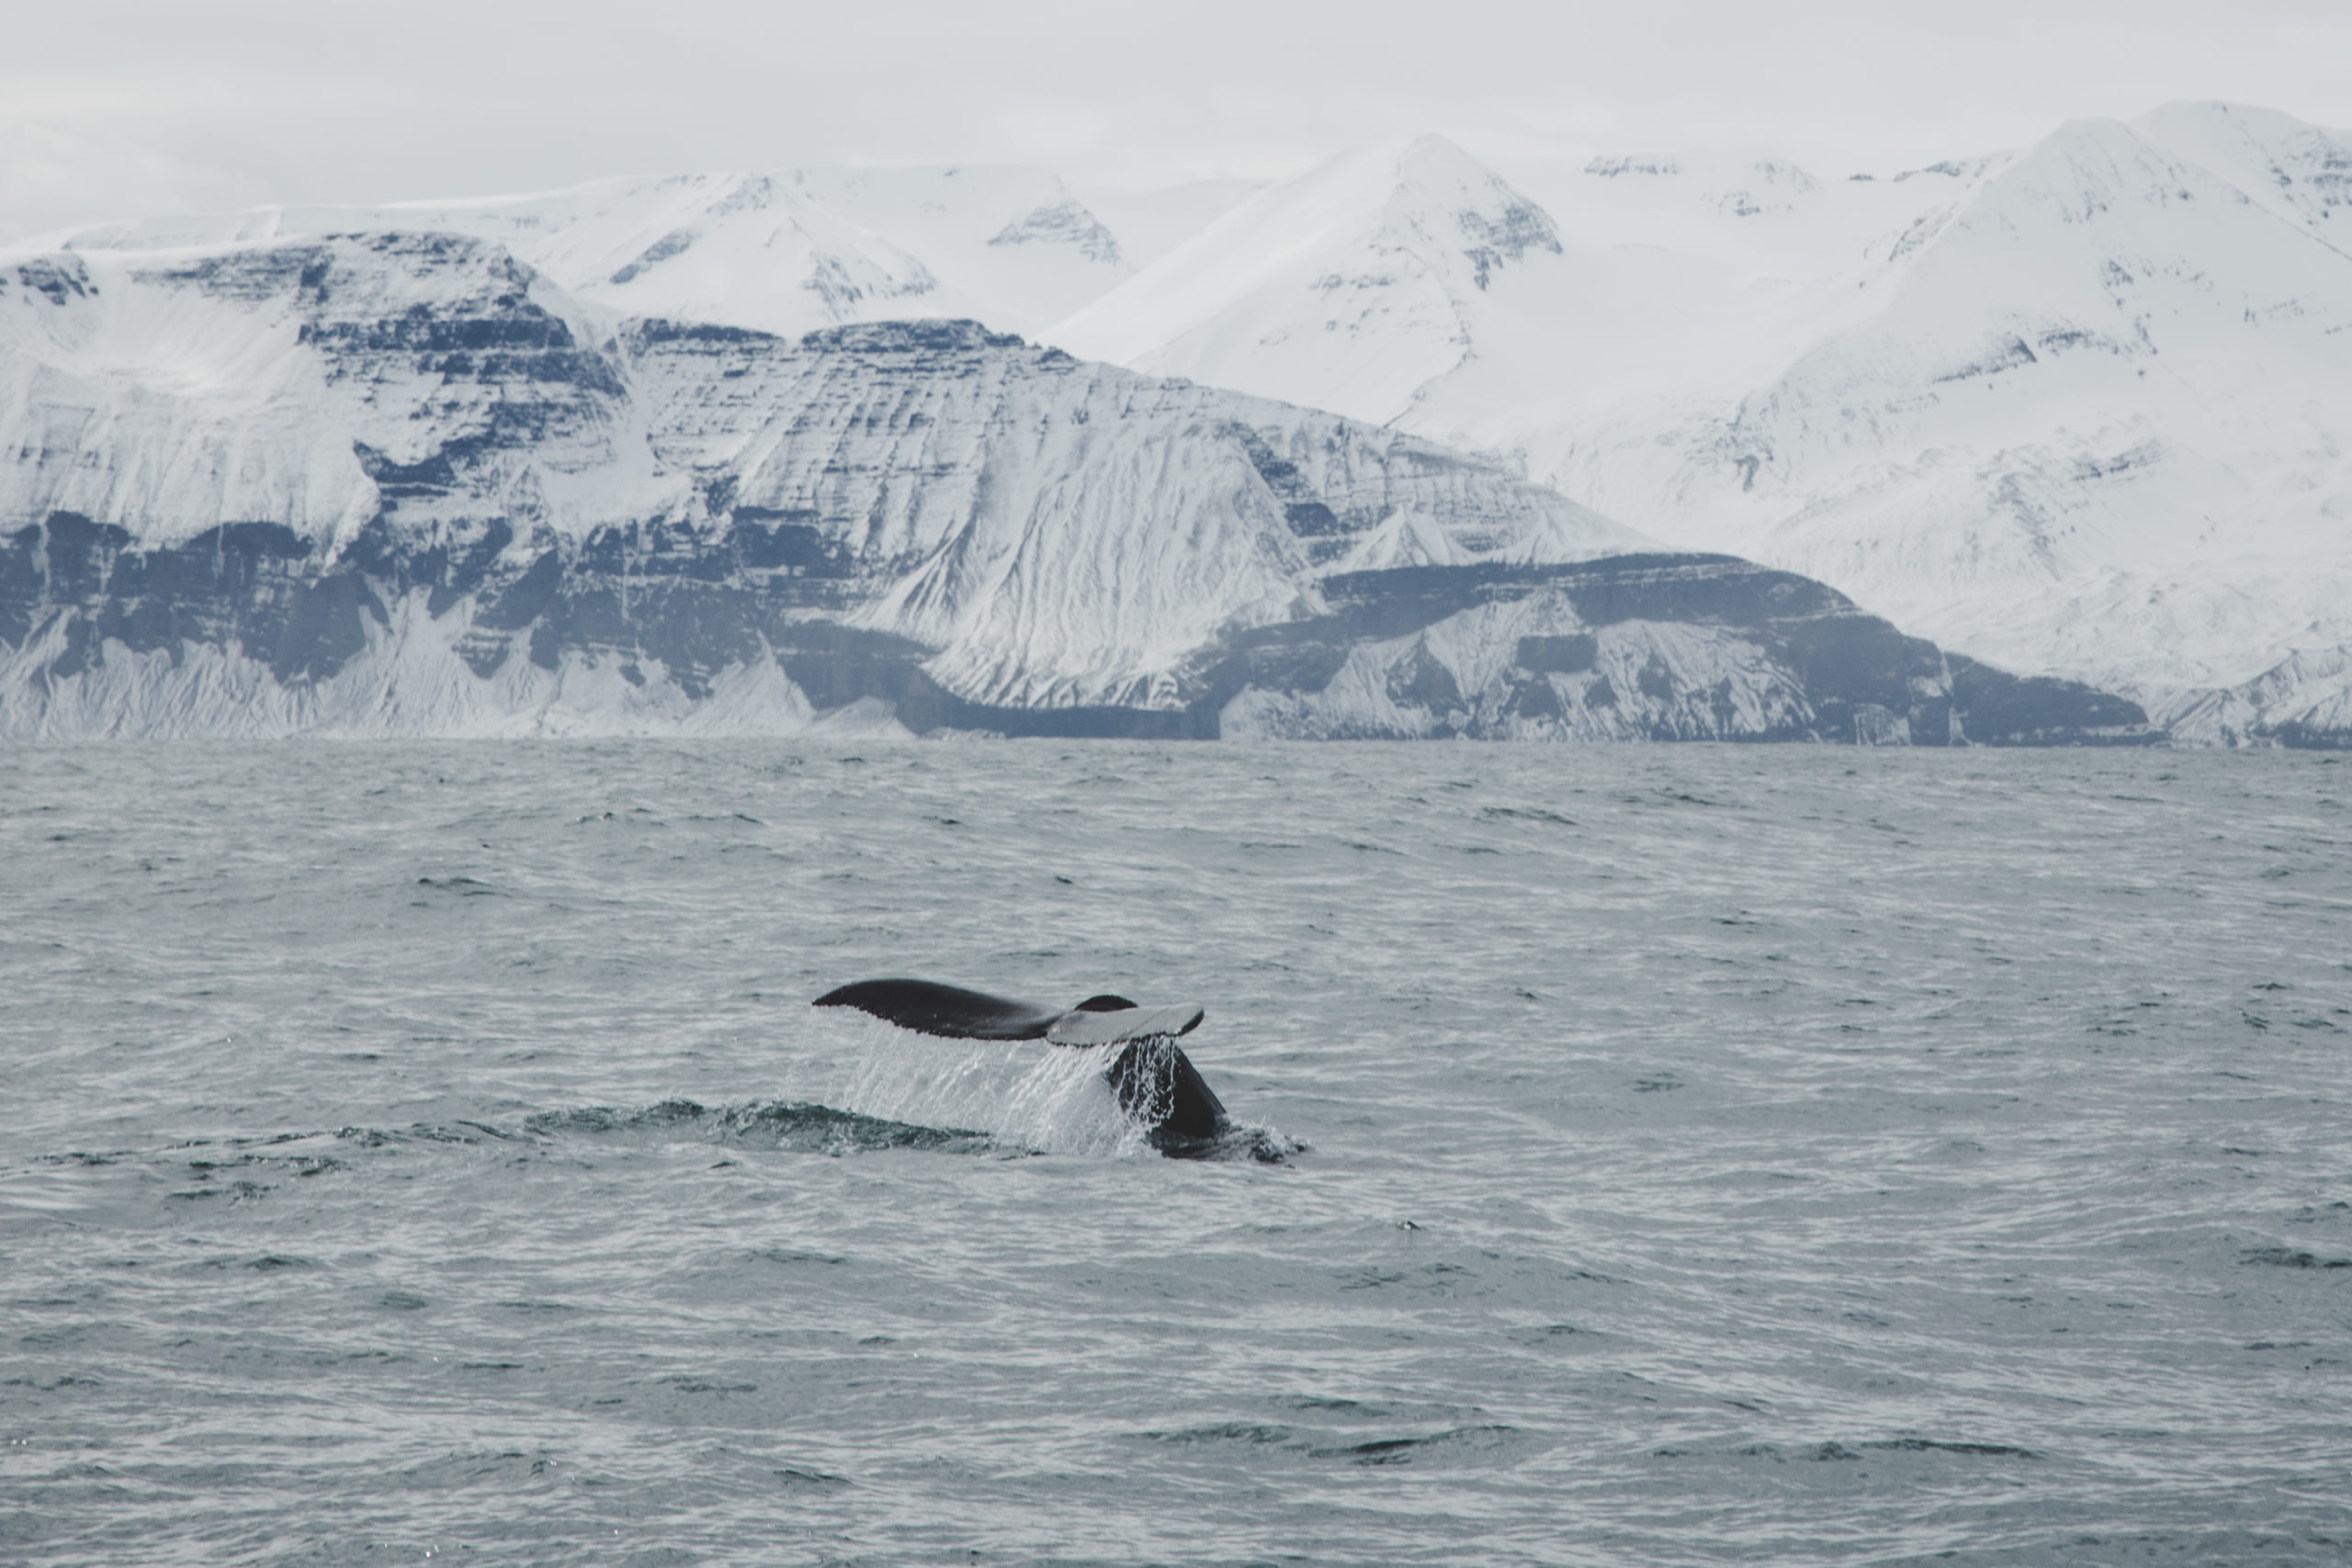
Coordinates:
column 2088, row 167
column 1014, row 243
column 400, row 480
column 1352, row 286
column 747, row 248
column 2095, row 241
column 1456, row 205
column 2075, row 408
column 1067, row 222
column 786, row 252
column 1961, row 170
column 2086, row 424
column 1653, row 165
column 2299, row 171
column 1767, row 186
column 302, row 381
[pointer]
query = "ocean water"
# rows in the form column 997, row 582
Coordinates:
column 1690, row 1155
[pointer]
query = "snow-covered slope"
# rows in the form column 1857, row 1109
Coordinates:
column 1703, row 275
column 2075, row 410
column 1069, row 533
column 1419, row 285
column 181, row 390
column 1151, row 221
column 1053, row 533
column 2078, row 410
column 2095, row 426
column 1359, row 287
column 789, row 252
column 393, row 483
column 2300, row 172
column 1016, row 242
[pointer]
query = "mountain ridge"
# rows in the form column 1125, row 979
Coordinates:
column 2087, row 429
column 402, row 483
column 2040, row 406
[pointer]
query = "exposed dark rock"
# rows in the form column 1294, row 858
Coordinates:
column 1063, row 223
column 1568, row 655
column 1999, row 709
column 699, row 604
column 1534, row 699
column 801, row 483
column 252, row 584
column 521, row 601
column 923, row 337
column 1844, row 660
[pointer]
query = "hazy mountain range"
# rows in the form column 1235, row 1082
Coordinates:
column 2074, row 410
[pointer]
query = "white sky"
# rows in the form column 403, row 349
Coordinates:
column 117, row 107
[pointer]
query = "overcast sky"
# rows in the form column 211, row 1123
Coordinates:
column 116, row 107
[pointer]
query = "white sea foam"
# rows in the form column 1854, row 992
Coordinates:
column 1025, row 1094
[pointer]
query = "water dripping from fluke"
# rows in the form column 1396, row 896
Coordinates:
column 1160, row 1099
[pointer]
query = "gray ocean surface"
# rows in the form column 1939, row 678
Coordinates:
column 1696, row 1155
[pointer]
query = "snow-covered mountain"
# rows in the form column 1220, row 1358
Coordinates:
column 1704, row 274
column 2300, row 172
column 1415, row 285
column 2078, row 409
column 403, row 482
column 2075, row 411
column 1367, row 287
column 2093, row 425
column 788, row 252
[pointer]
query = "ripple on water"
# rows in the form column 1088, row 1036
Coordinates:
column 1717, row 1155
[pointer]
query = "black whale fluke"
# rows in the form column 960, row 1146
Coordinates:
column 1153, row 1079
column 928, row 1008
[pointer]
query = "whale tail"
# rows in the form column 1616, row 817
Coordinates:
column 950, row 1012
column 1153, row 1080
column 1156, row 1085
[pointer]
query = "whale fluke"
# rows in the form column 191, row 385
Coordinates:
column 951, row 1011
column 1156, row 1083
column 1109, row 1026
column 1153, row 1080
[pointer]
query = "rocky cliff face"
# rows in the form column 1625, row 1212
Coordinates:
column 1635, row 648
column 397, row 483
